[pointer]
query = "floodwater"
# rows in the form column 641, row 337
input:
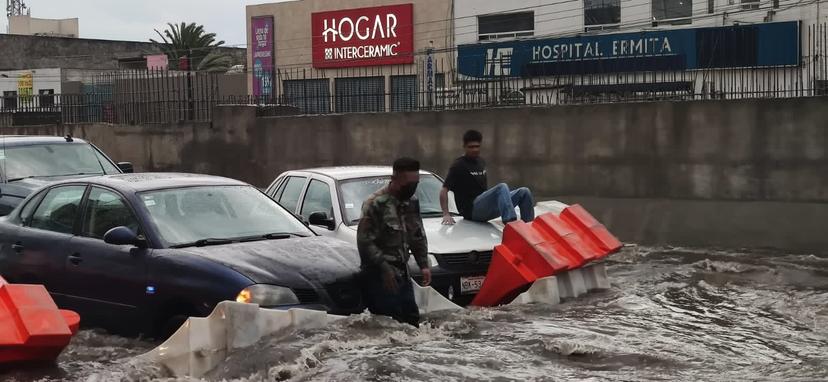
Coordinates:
column 672, row 314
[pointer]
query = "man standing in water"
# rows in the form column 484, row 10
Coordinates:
column 467, row 179
column 389, row 231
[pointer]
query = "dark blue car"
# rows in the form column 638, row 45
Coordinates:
column 141, row 252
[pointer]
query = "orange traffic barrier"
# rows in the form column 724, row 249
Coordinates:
column 567, row 237
column 32, row 328
column 590, row 229
column 547, row 246
column 523, row 256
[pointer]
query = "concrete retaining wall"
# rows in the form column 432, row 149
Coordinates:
column 748, row 173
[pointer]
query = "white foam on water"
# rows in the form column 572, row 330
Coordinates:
column 684, row 314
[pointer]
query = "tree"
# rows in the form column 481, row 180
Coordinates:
column 190, row 40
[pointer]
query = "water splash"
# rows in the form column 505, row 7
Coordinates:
column 672, row 314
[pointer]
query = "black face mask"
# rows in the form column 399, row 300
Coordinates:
column 407, row 191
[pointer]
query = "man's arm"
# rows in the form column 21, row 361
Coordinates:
column 444, row 205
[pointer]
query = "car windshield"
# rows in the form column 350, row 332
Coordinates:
column 355, row 191
column 53, row 160
column 185, row 216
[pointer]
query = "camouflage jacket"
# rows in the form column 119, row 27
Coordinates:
column 390, row 231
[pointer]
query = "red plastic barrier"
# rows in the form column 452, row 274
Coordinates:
column 32, row 328
column 568, row 238
column 547, row 246
column 591, row 230
column 523, row 257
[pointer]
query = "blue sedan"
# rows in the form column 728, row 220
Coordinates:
column 138, row 253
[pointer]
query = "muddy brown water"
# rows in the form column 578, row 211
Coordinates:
column 672, row 314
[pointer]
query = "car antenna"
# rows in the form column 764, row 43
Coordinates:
column 68, row 138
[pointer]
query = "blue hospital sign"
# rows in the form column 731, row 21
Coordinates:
column 768, row 44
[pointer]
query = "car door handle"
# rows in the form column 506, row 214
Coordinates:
column 18, row 247
column 75, row 259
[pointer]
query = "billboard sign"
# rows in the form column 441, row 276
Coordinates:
column 263, row 55
column 363, row 37
column 757, row 45
column 158, row 62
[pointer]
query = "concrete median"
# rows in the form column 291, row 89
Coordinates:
column 201, row 344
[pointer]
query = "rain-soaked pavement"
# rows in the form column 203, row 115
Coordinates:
column 672, row 314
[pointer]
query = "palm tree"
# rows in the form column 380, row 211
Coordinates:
column 192, row 41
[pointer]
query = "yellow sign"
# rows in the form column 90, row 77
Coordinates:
column 25, row 83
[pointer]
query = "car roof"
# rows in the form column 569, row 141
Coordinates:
column 148, row 181
column 27, row 140
column 352, row 172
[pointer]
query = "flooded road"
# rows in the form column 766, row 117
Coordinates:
column 672, row 314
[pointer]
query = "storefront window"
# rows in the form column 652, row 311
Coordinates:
column 310, row 96
column 403, row 93
column 360, row 94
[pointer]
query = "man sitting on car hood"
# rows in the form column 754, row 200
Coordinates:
column 467, row 179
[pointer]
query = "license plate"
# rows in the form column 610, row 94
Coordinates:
column 471, row 284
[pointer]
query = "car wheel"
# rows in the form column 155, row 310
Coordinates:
column 169, row 321
column 172, row 325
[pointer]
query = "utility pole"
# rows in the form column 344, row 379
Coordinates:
column 17, row 8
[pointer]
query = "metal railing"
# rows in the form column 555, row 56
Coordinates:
column 142, row 97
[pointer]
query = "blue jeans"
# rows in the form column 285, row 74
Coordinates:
column 498, row 201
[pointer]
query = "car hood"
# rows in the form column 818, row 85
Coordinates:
column 464, row 236
column 286, row 262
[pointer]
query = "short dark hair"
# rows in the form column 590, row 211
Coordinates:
column 472, row 136
column 406, row 164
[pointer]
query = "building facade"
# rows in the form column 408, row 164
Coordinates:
column 328, row 56
column 575, row 51
column 30, row 26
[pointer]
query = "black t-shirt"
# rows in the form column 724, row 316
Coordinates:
column 467, row 179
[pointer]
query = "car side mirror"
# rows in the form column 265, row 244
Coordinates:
column 322, row 219
column 126, row 167
column 302, row 219
column 124, row 236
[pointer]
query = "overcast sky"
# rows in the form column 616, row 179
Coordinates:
column 135, row 20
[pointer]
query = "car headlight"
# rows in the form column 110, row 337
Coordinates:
column 432, row 261
column 267, row 295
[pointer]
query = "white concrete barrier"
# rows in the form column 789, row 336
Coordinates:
column 201, row 344
column 542, row 291
column 571, row 283
column 595, row 277
column 429, row 300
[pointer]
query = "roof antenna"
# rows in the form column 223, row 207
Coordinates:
column 68, row 138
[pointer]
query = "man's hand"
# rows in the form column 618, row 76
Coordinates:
column 444, row 206
column 389, row 280
column 426, row 276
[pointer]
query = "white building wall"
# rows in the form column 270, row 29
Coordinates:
column 30, row 26
column 555, row 18
column 562, row 18
column 41, row 79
